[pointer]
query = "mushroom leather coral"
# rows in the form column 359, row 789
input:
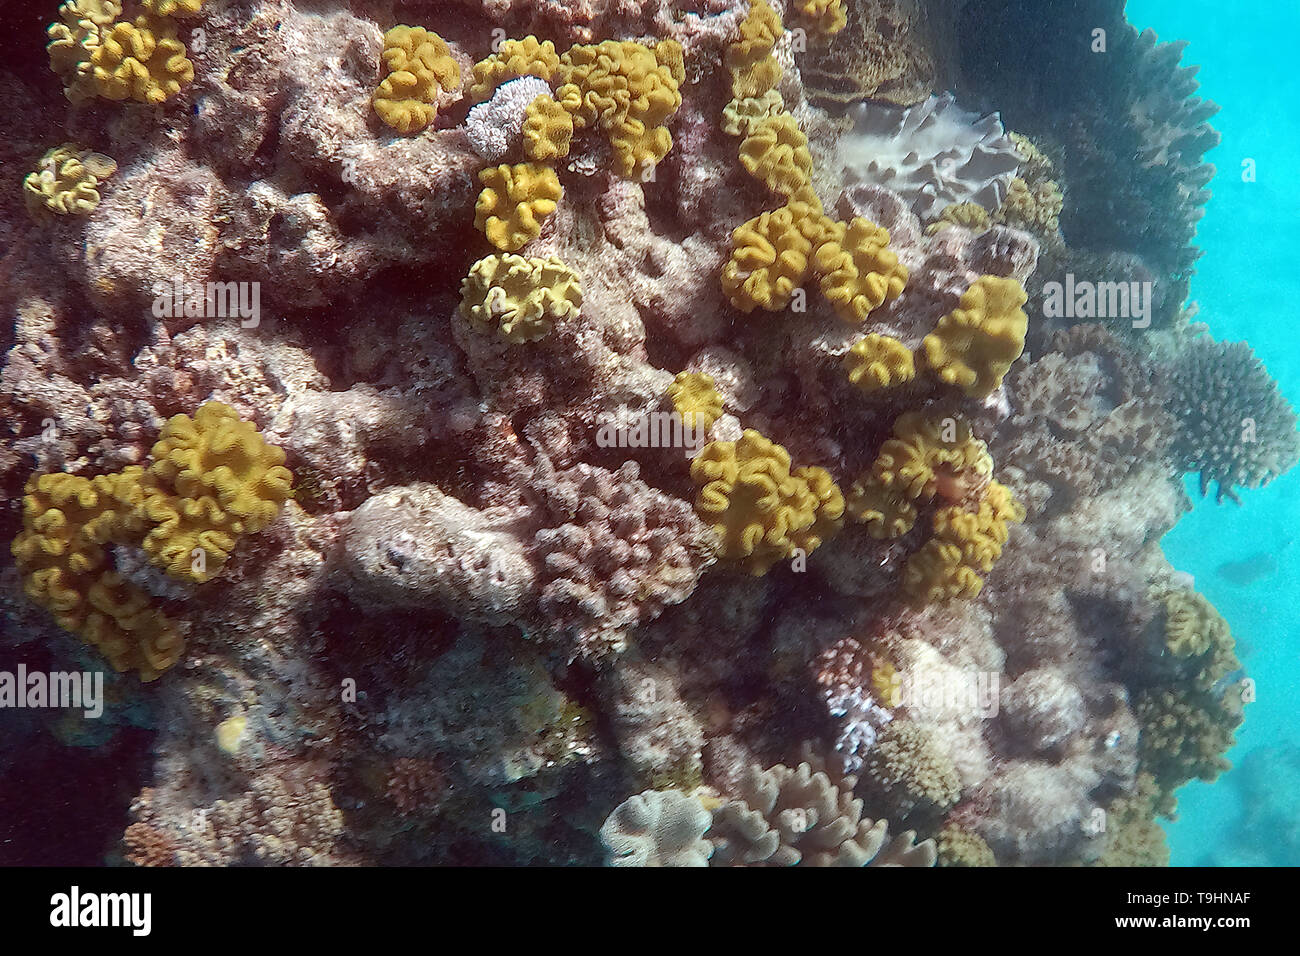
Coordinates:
column 776, row 153
column 514, row 201
column 548, row 130
column 859, row 272
column 143, row 61
column 695, row 400
column 519, row 298
column 879, row 361
column 513, row 59
column 974, row 345
column 761, row 510
column 418, row 65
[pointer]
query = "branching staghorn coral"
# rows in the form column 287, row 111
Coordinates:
column 514, row 201
column 66, row 181
column 519, row 298
column 417, row 66
column 761, row 510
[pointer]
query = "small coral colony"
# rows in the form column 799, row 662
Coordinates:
column 798, row 643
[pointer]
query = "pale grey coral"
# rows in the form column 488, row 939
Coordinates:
column 414, row 544
column 657, row 828
column 797, row 816
column 934, row 154
column 495, row 128
column 1043, row 708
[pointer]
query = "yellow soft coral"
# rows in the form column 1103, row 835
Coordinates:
column 695, row 399
column 879, row 361
column 143, row 61
column 824, row 16
column 966, row 542
column 514, row 201
column 629, row 91
column 417, row 65
column 172, row 8
column 212, row 479
column 859, row 271
column 974, row 345
column 739, row 117
column 967, row 215
column 1037, row 209
column 771, row 254
column 887, row 513
column 74, row 40
column 929, row 456
column 513, row 59
column 776, row 153
column 759, row 31
column 761, row 511
column 67, row 522
column 519, row 298
column 66, row 181
column 548, row 130
column 217, row 479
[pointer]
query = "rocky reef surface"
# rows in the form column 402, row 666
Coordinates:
column 676, row 475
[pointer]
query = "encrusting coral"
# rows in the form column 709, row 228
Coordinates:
column 520, row 298
column 66, row 181
column 418, row 65
column 514, row 201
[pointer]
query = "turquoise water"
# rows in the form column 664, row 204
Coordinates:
column 1248, row 287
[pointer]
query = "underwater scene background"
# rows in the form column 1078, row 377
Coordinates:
column 649, row 432
column 1244, row 559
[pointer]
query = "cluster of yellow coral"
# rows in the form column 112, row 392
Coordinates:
column 97, row 55
column 826, row 17
column 514, row 201
column 629, row 91
column 213, row 479
column 417, row 66
column 519, row 298
column 928, row 458
column 974, row 345
column 67, row 181
column 775, row 253
column 695, row 400
column 761, row 510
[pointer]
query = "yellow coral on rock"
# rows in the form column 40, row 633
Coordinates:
column 759, row 31
column 513, row 59
column 739, row 117
column 776, row 153
column 859, row 271
column 929, row 456
column 967, row 215
column 761, row 511
column 1037, row 209
column 974, row 345
column 879, row 361
column 965, row 543
column 217, row 479
column 143, row 61
column 417, row 65
column 695, row 400
column 824, row 16
column 772, row 254
column 67, row 181
column 514, row 201
column 519, row 298
column 548, row 130
column 172, row 8
column 213, row 478
column 629, row 91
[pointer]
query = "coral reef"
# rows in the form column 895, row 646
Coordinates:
column 650, row 417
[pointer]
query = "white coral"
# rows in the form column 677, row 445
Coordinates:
column 934, row 153
column 496, row 127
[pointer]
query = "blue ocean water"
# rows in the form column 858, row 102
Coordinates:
column 1248, row 287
